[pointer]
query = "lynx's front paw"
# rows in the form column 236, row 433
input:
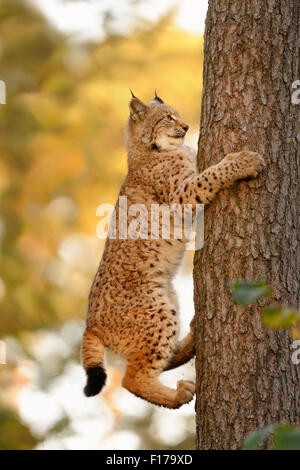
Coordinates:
column 247, row 164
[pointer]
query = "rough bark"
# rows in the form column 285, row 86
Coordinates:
column 245, row 376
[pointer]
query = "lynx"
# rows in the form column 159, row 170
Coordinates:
column 133, row 308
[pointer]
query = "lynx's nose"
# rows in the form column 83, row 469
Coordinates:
column 185, row 127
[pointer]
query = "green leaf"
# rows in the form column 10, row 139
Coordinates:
column 246, row 292
column 287, row 438
column 14, row 434
column 280, row 317
column 253, row 441
column 60, row 425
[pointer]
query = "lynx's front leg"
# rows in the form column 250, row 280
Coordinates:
column 204, row 187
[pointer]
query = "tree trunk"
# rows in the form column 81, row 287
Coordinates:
column 245, row 376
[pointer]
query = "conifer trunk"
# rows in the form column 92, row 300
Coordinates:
column 245, row 376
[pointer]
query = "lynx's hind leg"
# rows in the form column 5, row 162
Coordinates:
column 185, row 351
column 145, row 384
column 151, row 356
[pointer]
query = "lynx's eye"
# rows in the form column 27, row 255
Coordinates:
column 169, row 117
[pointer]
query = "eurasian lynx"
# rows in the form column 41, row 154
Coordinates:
column 133, row 308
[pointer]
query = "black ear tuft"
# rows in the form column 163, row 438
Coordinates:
column 157, row 98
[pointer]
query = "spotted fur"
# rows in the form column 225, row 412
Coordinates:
column 133, row 309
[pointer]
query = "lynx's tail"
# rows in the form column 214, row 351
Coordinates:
column 93, row 362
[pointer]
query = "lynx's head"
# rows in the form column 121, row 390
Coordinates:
column 155, row 125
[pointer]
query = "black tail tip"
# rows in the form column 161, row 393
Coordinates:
column 96, row 378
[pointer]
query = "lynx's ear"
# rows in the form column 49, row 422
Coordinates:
column 157, row 98
column 137, row 108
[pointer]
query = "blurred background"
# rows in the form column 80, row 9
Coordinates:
column 68, row 66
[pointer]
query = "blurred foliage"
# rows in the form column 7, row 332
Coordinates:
column 287, row 438
column 280, row 317
column 61, row 155
column 283, row 438
column 256, row 438
column 245, row 292
column 13, row 431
